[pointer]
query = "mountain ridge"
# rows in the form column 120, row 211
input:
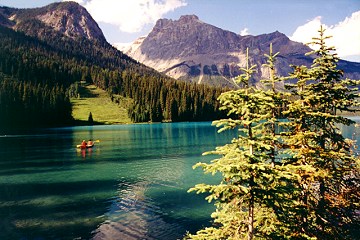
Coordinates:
column 43, row 57
column 67, row 18
column 192, row 50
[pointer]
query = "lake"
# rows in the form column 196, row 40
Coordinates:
column 131, row 185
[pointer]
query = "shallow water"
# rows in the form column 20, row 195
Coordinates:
column 131, row 185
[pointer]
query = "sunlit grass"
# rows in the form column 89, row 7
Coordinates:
column 103, row 110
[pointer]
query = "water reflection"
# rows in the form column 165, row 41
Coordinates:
column 131, row 186
column 87, row 153
column 133, row 215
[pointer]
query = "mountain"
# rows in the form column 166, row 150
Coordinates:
column 44, row 60
column 66, row 18
column 192, row 50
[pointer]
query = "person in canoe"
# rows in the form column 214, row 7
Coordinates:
column 83, row 144
column 90, row 143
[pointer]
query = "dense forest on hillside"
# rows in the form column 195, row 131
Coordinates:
column 29, row 104
column 45, row 70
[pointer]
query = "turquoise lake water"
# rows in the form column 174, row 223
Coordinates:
column 131, row 185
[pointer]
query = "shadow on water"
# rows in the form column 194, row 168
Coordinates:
column 133, row 185
column 69, row 209
column 141, row 213
column 23, row 191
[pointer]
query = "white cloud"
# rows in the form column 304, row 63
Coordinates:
column 130, row 15
column 305, row 32
column 345, row 35
column 244, row 32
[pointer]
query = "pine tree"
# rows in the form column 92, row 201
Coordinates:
column 90, row 119
column 329, row 195
column 256, row 189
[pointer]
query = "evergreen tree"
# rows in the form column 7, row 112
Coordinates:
column 256, row 190
column 329, row 195
column 90, row 119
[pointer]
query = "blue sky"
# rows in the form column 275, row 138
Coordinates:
column 123, row 21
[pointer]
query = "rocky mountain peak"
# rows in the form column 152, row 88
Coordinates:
column 188, row 18
column 277, row 34
column 67, row 18
column 161, row 23
column 186, row 37
column 192, row 50
column 72, row 20
column 274, row 36
column 185, row 19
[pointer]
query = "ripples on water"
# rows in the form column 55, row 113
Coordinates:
column 132, row 185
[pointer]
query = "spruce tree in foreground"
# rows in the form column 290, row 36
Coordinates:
column 256, row 187
column 298, row 179
column 329, row 195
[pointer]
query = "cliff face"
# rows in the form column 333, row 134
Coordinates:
column 192, row 50
column 66, row 18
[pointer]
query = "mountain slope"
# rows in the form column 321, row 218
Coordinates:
column 37, row 53
column 103, row 110
column 67, row 18
column 192, row 50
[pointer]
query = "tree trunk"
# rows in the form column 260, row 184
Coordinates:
column 251, row 202
column 251, row 215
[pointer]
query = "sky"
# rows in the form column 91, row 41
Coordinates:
column 123, row 21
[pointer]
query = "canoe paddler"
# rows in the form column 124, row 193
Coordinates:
column 90, row 143
column 83, row 144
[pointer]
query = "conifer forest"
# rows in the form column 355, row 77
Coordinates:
column 44, row 73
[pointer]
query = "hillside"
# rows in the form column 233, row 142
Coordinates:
column 44, row 57
column 97, row 102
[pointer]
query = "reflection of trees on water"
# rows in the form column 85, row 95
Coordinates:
column 133, row 215
column 156, row 205
column 47, row 190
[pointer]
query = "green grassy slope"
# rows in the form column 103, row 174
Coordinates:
column 103, row 110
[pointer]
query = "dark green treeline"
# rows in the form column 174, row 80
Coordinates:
column 27, row 104
column 47, row 69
